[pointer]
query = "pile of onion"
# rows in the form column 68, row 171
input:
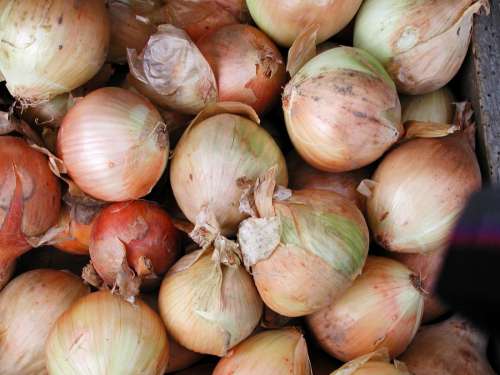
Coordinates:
column 422, row 44
column 436, row 106
column 305, row 247
column 59, row 47
column 376, row 363
column 342, row 110
column 114, row 144
column 383, row 308
column 247, row 65
column 29, row 308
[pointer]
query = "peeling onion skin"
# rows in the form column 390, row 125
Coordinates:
column 114, row 144
column 60, row 46
column 6, row 272
column 103, row 331
column 383, row 308
column 30, row 196
column 284, row 20
column 342, row 111
column 247, row 65
column 29, row 308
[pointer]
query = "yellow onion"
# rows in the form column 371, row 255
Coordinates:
column 29, row 308
column 376, row 363
column 448, row 348
column 382, row 309
column 6, row 272
column 102, row 333
column 224, row 145
column 53, row 47
column 284, row 20
column 305, row 250
column 342, row 110
column 436, row 106
column 208, row 301
column 282, row 351
column 172, row 72
column 114, row 144
column 422, row 44
column 247, row 65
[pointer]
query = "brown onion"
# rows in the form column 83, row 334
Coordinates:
column 29, row 307
column 247, row 65
column 6, row 272
column 383, row 308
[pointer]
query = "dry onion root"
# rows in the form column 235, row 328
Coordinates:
column 376, row 363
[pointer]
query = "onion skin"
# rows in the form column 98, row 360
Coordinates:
column 102, row 330
column 283, row 21
column 450, row 347
column 6, row 272
column 114, row 145
column 30, row 197
column 342, row 110
column 281, row 351
column 58, row 48
column 436, row 106
column 247, row 65
column 29, row 307
column 383, row 308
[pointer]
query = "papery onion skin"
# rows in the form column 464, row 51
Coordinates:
column 421, row 188
column 30, row 196
column 29, row 308
column 114, row 145
column 6, row 272
column 283, row 21
column 247, row 65
column 436, row 106
column 282, row 351
column 209, row 308
column 59, row 47
column 383, row 308
column 342, row 110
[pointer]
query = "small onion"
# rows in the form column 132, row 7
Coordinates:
column 281, row 351
column 377, row 363
column 55, row 49
column 114, row 144
column 342, row 110
column 448, row 348
column 383, row 308
column 29, row 308
column 422, row 44
column 132, row 242
column 222, row 145
column 284, row 20
column 436, row 106
column 6, row 272
column 209, row 306
column 103, row 332
column 247, row 65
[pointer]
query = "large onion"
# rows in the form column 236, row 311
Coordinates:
column 29, row 308
column 103, row 332
column 114, row 144
column 284, row 20
column 383, row 308
column 52, row 47
column 223, row 145
column 421, row 43
column 342, row 110
column 281, row 351
column 247, row 65
column 436, row 106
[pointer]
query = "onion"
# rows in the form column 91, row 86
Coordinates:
column 281, row 351
column 247, row 65
column 422, row 44
column 59, row 47
column 29, row 308
column 284, row 20
column 448, row 348
column 6, row 272
column 30, row 197
column 383, row 308
column 222, row 146
column 436, row 106
column 377, row 363
column 103, row 331
column 114, row 144
column 172, row 72
column 209, row 302
column 342, row 110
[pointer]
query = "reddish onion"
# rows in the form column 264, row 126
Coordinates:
column 247, row 65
